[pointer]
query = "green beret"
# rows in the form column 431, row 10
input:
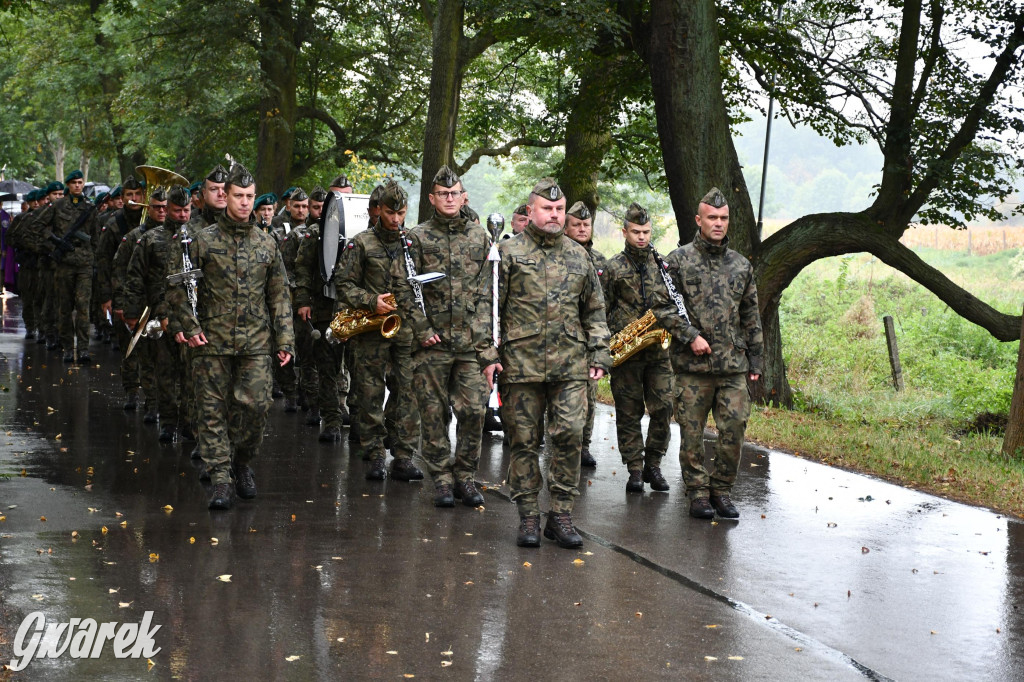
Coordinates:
column 714, row 198
column 341, row 181
column 116, row 192
column 548, row 188
column 580, row 211
column 54, row 186
column 100, row 198
column 132, row 182
column 521, row 210
column 73, row 175
column 299, row 195
column 194, row 187
column 32, row 195
column 375, row 196
column 287, row 194
column 218, row 174
column 637, row 214
column 393, row 196
column 240, row 177
column 179, row 196
column 318, row 194
column 268, row 199
column 446, row 177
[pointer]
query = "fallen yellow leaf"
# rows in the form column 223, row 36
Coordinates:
column 292, row 658
column 191, row 541
column 123, row 604
column 149, row 664
column 710, row 627
column 391, row 653
column 153, row 558
column 578, row 562
column 103, row 530
column 710, row 658
column 226, row 578
column 113, row 591
column 527, row 564
column 735, row 658
column 42, row 518
column 167, row 508
column 445, row 664
column 463, row 553
column 214, row 541
column 124, row 524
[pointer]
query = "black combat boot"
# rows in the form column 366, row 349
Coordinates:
column 560, row 529
column 377, row 470
column 30, row 334
column 276, row 392
column 245, row 481
column 587, row 459
column 467, row 492
column 346, row 416
column 443, row 496
column 313, row 418
column 635, row 484
column 69, row 357
column 151, row 416
column 220, row 498
column 290, row 405
column 724, row 506
column 167, row 433
column 700, row 508
column 529, row 531
column 653, row 476
column 84, row 358
column 131, row 401
column 405, row 470
column 331, row 434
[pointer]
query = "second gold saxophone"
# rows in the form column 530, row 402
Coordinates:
column 637, row 335
column 347, row 323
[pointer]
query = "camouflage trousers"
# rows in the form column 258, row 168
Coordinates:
column 727, row 398
column 441, row 376
column 145, row 357
column 233, row 394
column 28, row 285
column 643, row 380
column 523, row 410
column 588, row 424
column 169, row 374
column 74, row 289
column 189, row 409
column 47, row 296
column 381, row 362
column 286, row 377
column 329, row 364
column 129, row 365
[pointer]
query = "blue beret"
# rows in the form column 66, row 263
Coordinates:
column 265, row 199
column 73, row 175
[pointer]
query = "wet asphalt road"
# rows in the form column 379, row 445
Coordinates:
column 828, row 575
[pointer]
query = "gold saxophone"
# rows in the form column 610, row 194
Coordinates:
column 637, row 335
column 347, row 323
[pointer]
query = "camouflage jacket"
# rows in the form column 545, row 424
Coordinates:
column 307, row 284
column 202, row 219
column 632, row 286
column 283, row 225
column 458, row 307
column 113, row 232
column 599, row 261
column 366, row 271
column 289, row 245
column 122, row 257
column 56, row 219
column 551, row 308
column 157, row 255
column 717, row 285
column 244, row 308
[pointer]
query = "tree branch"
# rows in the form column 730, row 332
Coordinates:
column 340, row 134
column 503, row 150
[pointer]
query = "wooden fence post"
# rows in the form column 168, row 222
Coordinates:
column 894, row 353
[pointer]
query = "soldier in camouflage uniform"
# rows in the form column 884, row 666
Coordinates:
column 579, row 226
column 633, row 284
column 48, row 266
column 363, row 281
column 28, row 265
column 112, row 234
column 146, row 349
column 454, row 353
column 720, row 349
column 263, row 207
column 553, row 341
column 158, row 255
column 243, row 324
column 70, row 221
column 520, row 219
column 213, row 198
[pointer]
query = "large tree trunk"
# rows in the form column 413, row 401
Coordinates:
column 443, row 105
column 588, row 136
column 684, row 56
column 59, row 152
column 278, row 109
column 1013, row 441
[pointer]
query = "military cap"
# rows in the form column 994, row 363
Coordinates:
column 159, row 194
column 579, row 210
column 73, row 175
column 131, row 182
column 715, row 198
column 637, row 214
column 268, row 199
column 287, row 194
column 179, row 196
column 55, row 186
column 298, row 195
column 32, row 195
column 116, row 192
column 393, row 196
column 318, row 194
column 446, row 177
column 341, row 181
column 240, row 177
column 194, row 187
column 375, row 196
column 218, row 174
column 548, row 188
column 100, row 198
column 521, row 209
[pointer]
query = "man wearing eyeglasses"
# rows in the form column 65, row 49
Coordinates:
column 454, row 355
